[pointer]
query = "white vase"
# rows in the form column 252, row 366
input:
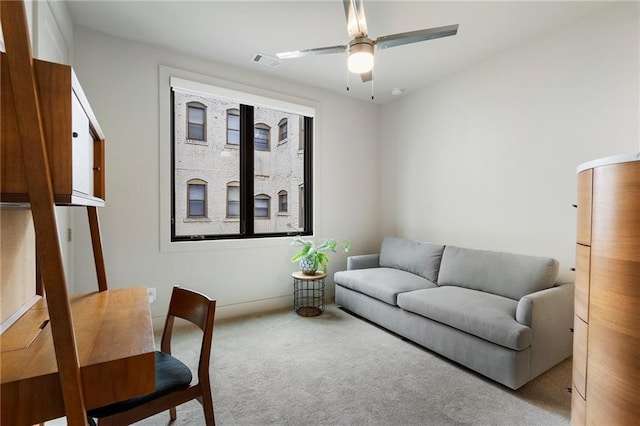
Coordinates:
column 306, row 266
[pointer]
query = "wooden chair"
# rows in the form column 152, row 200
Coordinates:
column 173, row 378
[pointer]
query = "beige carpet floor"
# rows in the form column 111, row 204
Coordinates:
column 336, row 369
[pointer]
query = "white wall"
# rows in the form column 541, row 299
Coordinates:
column 487, row 158
column 120, row 79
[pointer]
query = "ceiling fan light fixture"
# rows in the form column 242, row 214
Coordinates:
column 360, row 56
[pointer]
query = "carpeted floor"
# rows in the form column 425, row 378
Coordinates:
column 337, row 369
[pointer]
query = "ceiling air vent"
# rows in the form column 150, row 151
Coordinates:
column 262, row 59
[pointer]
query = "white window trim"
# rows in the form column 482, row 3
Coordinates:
column 252, row 95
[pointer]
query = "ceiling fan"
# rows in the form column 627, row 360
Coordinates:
column 360, row 48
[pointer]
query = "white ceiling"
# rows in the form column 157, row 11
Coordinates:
column 231, row 32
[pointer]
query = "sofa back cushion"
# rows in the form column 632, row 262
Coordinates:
column 412, row 256
column 505, row 274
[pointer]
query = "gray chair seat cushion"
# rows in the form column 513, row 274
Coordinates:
column 484, row 315
column 171, row 374
column 381, row 283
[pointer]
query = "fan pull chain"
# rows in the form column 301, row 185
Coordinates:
column 372, row 88
column 348, row 80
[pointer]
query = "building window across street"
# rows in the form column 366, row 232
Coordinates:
column 197, row 198
column 283, row 202
column 197, row 119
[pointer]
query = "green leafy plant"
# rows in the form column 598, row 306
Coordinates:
column 317, row 253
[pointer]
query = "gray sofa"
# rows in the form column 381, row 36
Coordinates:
column 500, row 314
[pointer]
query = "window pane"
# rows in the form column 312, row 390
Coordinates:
column 278, row 171
column 196, row 192
column 196, row 208
column 215, row 164
column 196, row 131
column 196, row 200
column 233, row 137
column 282, row 201
column 233, row 201
column 196, row 115
column 261, row 207
column 261, row 139
column 233, row 128
column 301, row 207
column 283, row 131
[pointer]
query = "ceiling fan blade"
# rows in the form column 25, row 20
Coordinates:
column 356, row 22
column 311, row 52
column 367, row 76
column 415, row 36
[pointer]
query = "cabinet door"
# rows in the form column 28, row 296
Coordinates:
column 583, row 272
column 578, row 410
column 580, row 336
column 82, row 150
column 585, row 185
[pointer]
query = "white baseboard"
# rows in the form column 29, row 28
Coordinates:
column 254, row 307
column 237, row 310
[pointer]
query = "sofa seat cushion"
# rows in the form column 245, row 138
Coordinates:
column 484, row 315
column 381, row 283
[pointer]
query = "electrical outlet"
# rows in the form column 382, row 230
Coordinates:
column 151, row 292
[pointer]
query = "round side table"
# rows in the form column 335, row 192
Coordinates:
column 308, row 293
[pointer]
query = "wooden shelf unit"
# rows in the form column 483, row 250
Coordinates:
column 606, row 345
column 75, row 141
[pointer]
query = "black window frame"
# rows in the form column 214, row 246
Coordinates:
column 247, row 155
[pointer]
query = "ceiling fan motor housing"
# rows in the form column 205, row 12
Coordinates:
column 361, row 55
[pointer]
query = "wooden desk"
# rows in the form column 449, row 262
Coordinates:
column 115, row 343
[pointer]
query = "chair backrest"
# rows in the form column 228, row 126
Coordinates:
column 198, row 309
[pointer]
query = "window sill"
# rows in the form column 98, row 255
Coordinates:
column 196, row 219
column 196, row 142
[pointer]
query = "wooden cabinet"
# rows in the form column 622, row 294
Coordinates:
column 74, row 140
column 606, row 358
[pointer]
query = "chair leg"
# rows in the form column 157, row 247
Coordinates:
column 207, row 405
column 172, row 413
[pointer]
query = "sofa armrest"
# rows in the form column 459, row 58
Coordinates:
column 549, row 314
column 363, row 261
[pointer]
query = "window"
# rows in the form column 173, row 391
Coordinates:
column 233, row 127
column 301, row 206
column 261, row 137
column 197, row 198
column 233, row 199
column 236, row 187
column 196, row 119
column 301, row 134
column 261, row 206
column 282, row 130
column 283, row 202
